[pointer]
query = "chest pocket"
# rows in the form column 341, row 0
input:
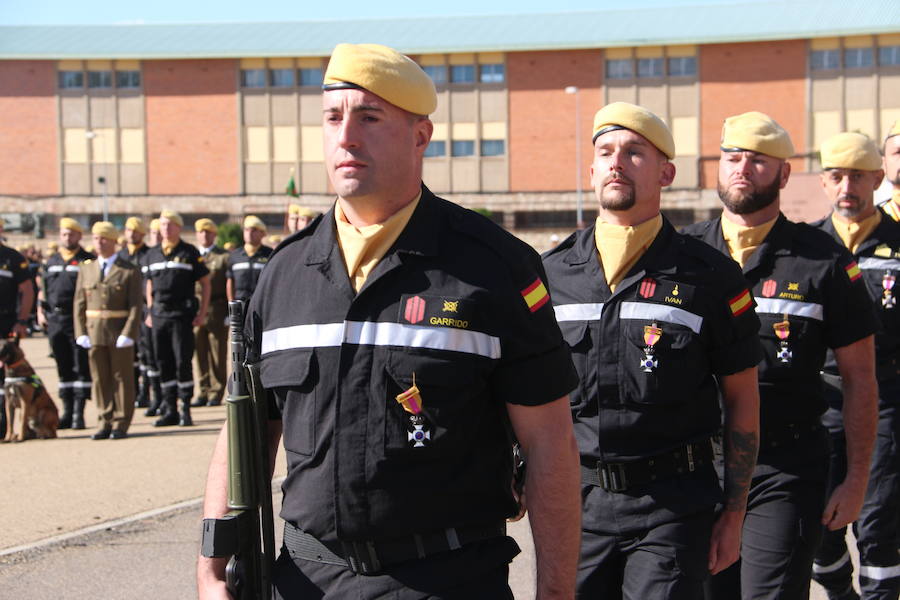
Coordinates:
column 670, row 373
column 451, row 389
column 293, row 376
column 806, row 344
column 577, row 336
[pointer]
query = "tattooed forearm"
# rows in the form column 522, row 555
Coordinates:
column 740, row 458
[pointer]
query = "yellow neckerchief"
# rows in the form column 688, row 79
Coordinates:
column 743, row 240
column 250, row 249
column 67, row 254
column 363, row 248
column 854, row 234
column 167, row 247
column 620, row 246
column 132, row 248
column 892, row 206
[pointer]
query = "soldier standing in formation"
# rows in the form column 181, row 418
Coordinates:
column 55, row 298
column 299, row 217
column 891, row 152
column 107, row 311
column 133, row 251
column 806, row 287
column 211, row 336
column 246, row 263
column 173, row 269
column 851, row 173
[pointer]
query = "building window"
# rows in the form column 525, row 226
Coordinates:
column 494, row 73
column 620, row 68
column 436, row 148
column 650, row 67
column 463, row 148
column 683, row 66
column 438, row 73
column 128, row 79
column 493, row 147
column 311, row 77
column 253, row 78
column 858, row 58
column 99, row 79
column 889, row 55
column 822, row 60
column 462, row 74
column 281, row 77
column 71, row 79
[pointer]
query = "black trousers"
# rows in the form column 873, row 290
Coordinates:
column 877, row 530
column 478, row 571
column 668, row 561
column 72, row 365
column 173, row 343
column 6, row 325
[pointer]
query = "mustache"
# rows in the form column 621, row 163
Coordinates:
column 618, row 176
column 851, row 197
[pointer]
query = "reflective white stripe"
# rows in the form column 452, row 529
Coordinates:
column 81, row 384
column 240, row 266
column 5, row 273
column 371, row 333
column 144, row 269
column 817, row 568
column 871, row 263
column 171, row 264
column 2, row 392
column 66, row 384
column 777, row 306
column 578, row 312
column 661, row 312
column 152, row 373
column 55, row 269
column 15, row 379
column 259, row 266
column 168, row 384
column 879, row 573
column 185, row 384
column 73, row 268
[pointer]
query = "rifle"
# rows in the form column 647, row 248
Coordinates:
column 247, row 532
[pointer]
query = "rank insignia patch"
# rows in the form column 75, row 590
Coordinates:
column 648, row 288
column 414, row 310
column 853, row 271
column 535, row 295
column 740, row 303
column 769, row 287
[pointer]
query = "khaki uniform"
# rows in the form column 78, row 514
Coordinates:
column 104, row 309
column 211, row 338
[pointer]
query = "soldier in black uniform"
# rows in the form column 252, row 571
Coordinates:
column 173, row 268
column 211, row 337
column 58, row 279
column 891, row 152
column 851, row 173
column 133, row 251
column 806, row 288
column 401, row 336
column 655, row 321
column 247, row 262
column 16, row 300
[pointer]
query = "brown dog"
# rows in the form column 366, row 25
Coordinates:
column 38, row 416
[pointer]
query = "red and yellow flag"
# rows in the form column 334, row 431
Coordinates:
column 853, row 271
column 535, row 295
column 740, row 303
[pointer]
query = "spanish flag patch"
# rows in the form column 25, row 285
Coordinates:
column 535, row 295
column 853, row 271
column 740, row 303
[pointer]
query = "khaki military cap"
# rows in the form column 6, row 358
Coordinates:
column 850, row 150
column 105, row 229
column 622, row 115
column 296, row 209
column 135, row 224
column 894, row 130
column 254, row 222
column 172, row 216
column 154, row 225
column 68, row 223
column 205, row 225
column 756, row 132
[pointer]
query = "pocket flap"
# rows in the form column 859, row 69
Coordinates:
column 286, row 369
column 573, row 331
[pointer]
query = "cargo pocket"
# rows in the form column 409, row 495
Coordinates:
column 577, row 336
column 292, row 376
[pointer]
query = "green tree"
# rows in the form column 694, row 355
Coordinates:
column 230, row 232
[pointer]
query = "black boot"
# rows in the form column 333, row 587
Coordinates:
column 65, row 419
column 78, row 413
column 200, row 401
column 143, row 395
column 2, row 417
column 168, row 411
column 186, row 420
column 155, row 392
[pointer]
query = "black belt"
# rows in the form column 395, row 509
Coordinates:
column 619, row 476
column 370, row 557
column 784, row 435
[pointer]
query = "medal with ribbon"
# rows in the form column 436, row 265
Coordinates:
column 411, row 401
column 783, row 331
column 887, row 297
column 652, row 333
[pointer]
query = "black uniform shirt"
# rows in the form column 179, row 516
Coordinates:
column 173, row 276
column 458, row 308
column 135, row 258
column 799, row 275
column 59, row 277
column 13, row 271
column 244, row 270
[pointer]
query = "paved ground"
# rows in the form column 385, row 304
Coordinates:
column 67, row 508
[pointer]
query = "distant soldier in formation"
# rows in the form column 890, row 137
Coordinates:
column 55, row 315
column 147, row 349
column 299, row 217
column 246, row 263
column 211, row 336
column 133, row 251
column 891, row 151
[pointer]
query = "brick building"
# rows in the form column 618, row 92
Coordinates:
column 212, row 119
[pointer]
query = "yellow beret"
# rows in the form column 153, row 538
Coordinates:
column 154, row 225
column 296, row 209
column 136, row 224
column 68, row 223
column 622, row 115
column 229, row 246
column 384, row 72
column 275, row 239
column 106, row 230
column 205, row 225
column 172, row 216
column 850, row 150
column 756, row 132
column 254, row 222
column 52, row 246
column 894, row 130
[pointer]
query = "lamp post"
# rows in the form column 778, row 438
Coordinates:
column 572, row 89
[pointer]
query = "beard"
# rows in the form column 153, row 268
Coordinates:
column 849, row 211
column 745, row 203
column 622, row 199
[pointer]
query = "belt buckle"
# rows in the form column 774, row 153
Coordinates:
column 361, row 557
column 612, row 477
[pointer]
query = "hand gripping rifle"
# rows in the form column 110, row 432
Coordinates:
column 247, row 532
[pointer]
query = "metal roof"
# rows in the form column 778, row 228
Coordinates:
column 702, row 23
